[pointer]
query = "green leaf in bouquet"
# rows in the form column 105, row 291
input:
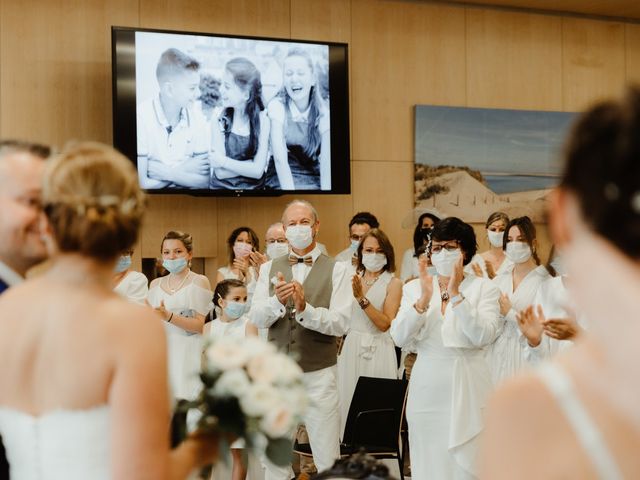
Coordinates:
column 230, row 416
column 279, row 451
column 209, row 379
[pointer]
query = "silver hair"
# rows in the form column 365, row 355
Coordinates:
column 314, row 212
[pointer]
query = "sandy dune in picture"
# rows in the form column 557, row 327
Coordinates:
column 461, row 194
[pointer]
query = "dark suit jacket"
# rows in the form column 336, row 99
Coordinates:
column 4, row 465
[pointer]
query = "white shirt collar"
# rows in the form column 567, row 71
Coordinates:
column 10, row 276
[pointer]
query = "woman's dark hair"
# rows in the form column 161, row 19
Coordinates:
column 386, row 247
column 221, row 291
column 313, row 140
column 495, row 216
column 552, row 254
column 602, row 170
column 253, row 237
column 528, row 231
column 419, row 236
column 247, row 78
column 452, row 228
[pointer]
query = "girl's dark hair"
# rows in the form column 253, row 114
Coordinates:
column 221, row 291
column 528, row 231
column 247, row 77
column 312, row 144
column 602, row 170
column 495, row 216
column 385, row 245
column 255, row 241
column 452, row 228
column 419, row 237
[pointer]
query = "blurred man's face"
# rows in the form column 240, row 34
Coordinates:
column 21, row 176
column 185, row 88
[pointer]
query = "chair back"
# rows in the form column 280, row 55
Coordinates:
column 375, row 414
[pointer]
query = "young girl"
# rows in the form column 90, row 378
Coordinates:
column 300, row 137
column 229, row 319
column 240, row 138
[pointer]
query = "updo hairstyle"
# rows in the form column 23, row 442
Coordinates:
column 602, row 170
column 93, row 202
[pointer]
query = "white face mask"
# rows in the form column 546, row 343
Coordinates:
column 276, row 249
column 495, row 238
column 518, row 252
column 374, row 262
column 558, row 265
column 444, row 261
column 299, row 236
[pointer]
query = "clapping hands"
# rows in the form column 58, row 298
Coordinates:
column 290, row 290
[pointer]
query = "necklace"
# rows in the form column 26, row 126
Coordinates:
column 444, row 294
column 368, row 283
column 174, row 290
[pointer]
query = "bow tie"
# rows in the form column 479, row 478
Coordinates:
column 293, row 260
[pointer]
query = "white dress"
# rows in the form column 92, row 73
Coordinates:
column 235, row 329
column 58, row 445
column 450, row 381
column 409, row 268
column 505, row 267
column 134, row 287
column 184, row 347
column 507, row 354
column 366, row 351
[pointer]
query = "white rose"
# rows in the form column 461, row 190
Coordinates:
column 274, row 368
column 256, row 346
column 226, row 355
column 277, row 422
column 259, row 399
column 233, row 383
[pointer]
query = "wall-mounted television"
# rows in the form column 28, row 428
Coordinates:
column 209, row 114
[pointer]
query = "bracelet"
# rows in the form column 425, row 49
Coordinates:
column 364, row 303
column 419, row 310
column 170, row 317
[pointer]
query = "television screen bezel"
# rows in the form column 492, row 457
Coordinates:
column 123, row 71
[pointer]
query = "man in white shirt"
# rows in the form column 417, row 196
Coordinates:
column 173, row 134
column 305, row 301
column 21, row 171
column 359, row 225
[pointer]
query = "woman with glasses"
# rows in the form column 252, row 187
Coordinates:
column 449, row 318
column 519, row 288
column 130, row 284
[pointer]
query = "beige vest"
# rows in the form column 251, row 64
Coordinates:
column 312, row 350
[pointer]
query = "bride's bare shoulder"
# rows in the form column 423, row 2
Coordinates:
column 523, row 426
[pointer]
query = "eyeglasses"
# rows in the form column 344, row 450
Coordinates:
column 449, row 247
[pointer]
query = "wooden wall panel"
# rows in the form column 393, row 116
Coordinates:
column 403, row 54
column 56, row 68
column 514, row 60
column 240, row 17
column 386, row 190
column 632, row 44
column 593, row 63
column 327, row 20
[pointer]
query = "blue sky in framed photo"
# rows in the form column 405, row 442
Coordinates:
column 515, row 150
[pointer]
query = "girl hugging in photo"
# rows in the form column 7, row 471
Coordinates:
column 300, row 129
column 240, row 138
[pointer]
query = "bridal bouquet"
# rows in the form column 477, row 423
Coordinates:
column 250, row 391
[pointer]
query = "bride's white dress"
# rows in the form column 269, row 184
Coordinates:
column 57, row 445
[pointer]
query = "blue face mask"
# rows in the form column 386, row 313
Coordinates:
column 175, row 265
column 234, row 310
column 123, row 263
column 354, row 246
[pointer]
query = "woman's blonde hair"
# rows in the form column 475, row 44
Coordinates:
column 92, row 200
